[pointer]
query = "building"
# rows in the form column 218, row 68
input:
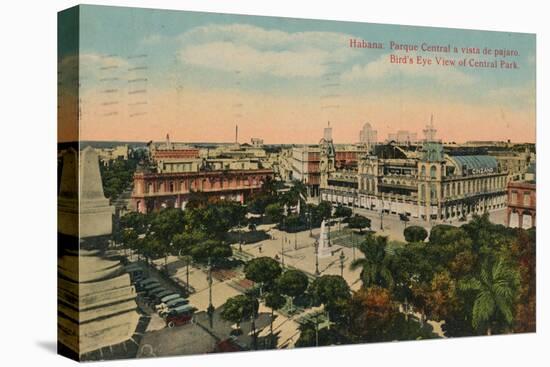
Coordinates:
column 175, row 173
column 154, row 191
column 522, row 201
column 368, row 136
column 424, row 183
column 110, row 154
column 403, row 137
column 257, row 142
column 305, row 163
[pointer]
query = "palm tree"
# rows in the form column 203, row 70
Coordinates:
column 375, row 264
column 497, row 288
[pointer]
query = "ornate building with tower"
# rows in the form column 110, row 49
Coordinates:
column 418, row 181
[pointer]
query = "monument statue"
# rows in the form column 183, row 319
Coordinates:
column 324, row 241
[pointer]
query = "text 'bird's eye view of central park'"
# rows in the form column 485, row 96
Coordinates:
column 241, row 235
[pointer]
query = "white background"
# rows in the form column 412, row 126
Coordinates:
column 28, row 176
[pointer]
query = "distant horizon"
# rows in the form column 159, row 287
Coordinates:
column 419, row 141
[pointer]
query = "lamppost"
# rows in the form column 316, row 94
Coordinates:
column 282, row 251
column 309, row 220
column 187, row 261
column 316, row 245
column 382, row 219
column 295, row 241
column 342, row 258
column 210, row 309
column 353, row 245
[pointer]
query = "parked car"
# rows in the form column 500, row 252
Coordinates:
column 147, row 283
column 165, row 299
column 157, row 298
column 152, row 293
column 180, row 316
column 151, row 286
column 166, row 307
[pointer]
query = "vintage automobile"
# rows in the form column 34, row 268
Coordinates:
column 165, row 308
column 162, row 302
column 180, row 316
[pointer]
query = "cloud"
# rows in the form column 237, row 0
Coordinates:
column 382, row 68
column 253, row 50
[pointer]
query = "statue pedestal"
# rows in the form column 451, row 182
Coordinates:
column 83, row 210
column 325, row 249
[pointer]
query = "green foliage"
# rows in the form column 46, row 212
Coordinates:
column 263, row 270
column 183, row 243
column 274, row 212
column 213, row 250
column 496, row 291
column 309, row 337
column 342, row 212
column 359, row 222
column 333, row 292
column 324, row 210
column 167, row 223
column 375, row 269
column 215, row 219
column 292, row 283
column 117, row 176
column 275, row 300
column 415, row 234
column 239, row 308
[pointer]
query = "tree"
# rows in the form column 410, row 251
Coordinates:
column 333, row 292
column 214, row 250
column 371, row 314
column 324, row 210
column 496, row 290
column 342, row 212
column 409, row 266
column 444, row 244
column 183, row 244
column 262, row 270
column 274, row 301
column 415, row 234
column 274, row 212
column 165, row 225
column 360, row 222
column 525, row 247
column 239, row 308
column 292, row 283
column 375, row 270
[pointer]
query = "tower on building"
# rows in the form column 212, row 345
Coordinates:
column 430, row 131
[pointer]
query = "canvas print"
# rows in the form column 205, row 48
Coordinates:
column 242, row 183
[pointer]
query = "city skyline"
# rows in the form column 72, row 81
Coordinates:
column 155, row 72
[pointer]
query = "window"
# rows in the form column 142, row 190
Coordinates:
column 433, row 193
column 433, row 171
column 527, row 198
column 423, row 171
column 514, row 198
